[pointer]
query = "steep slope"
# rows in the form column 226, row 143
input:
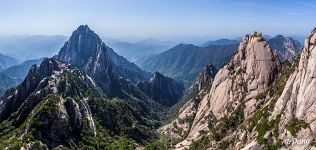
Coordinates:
column 184, row 62
column 179, row 127
column 287, row 47
column 204, row 80
column 163, row 90
column 58, row 105
column 234, row 91
column 126, row 68
column 6, row 61
column 86, row 50
column 19, row 72
column 296, row 105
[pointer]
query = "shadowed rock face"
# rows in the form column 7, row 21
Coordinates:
column 163, row 90
column 86, row 50
column 250, row 72
column 287, row 47
column 204, row 80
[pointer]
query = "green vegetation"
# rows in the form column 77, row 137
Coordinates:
column 260, row 121
column 261, row 96
column 223, row 145
column 232, row 121
column 295, row 125
column 200, row 144
column 163, row 143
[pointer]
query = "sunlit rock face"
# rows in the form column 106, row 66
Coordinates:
column 249, row 73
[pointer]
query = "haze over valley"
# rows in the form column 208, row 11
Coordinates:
column 157, row 75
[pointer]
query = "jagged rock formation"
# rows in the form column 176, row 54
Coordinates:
column 184, row 61
column 180, row 127
column 297, row 101
column 110, row 72
column 163, row 90
column 86, row 50
column 204, row 80
column 43, row 106
column 287, row 47
column 57, row 104
column 251, row 71
column 78, row 104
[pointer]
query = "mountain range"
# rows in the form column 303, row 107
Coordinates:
column 184, row 61
column 251, row 94
column 134, row 51
column 6, row 61
column 82, row 96
column 220, row 42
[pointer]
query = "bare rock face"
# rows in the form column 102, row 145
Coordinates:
column 204, row 79
column 249, row 73
column 85, row 50
column 298, row 97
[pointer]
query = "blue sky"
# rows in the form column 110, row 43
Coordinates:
column 158, row 18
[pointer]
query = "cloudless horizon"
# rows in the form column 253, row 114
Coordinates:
column 161, row 19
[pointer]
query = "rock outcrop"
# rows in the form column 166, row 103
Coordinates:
column 86, row 50
column 58, row 104
column 42, row 106
column 297, row 101
column 250, row 72
column 204, row 80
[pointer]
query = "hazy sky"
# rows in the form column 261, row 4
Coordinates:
column 158, row 18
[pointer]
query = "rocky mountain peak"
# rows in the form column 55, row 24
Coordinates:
column 287, row 47
column 249, row 73
column 204, row 79
column 256, row 34
column 156, row 76
column 279, row 36
column 82, row 45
